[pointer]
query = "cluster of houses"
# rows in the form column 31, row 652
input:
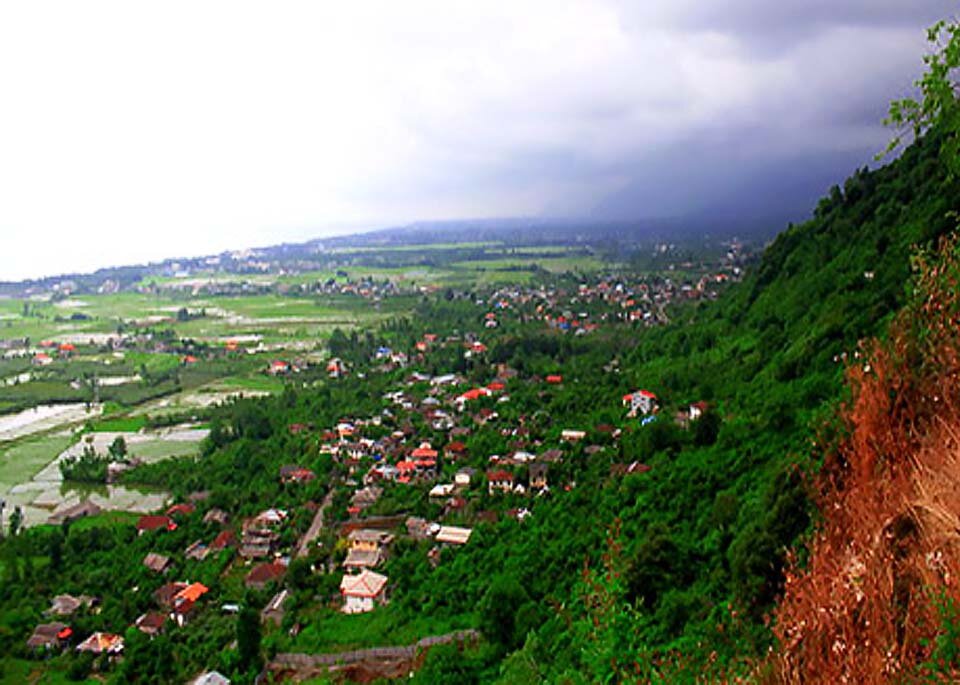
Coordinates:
column 384, row 450
column 604, row 298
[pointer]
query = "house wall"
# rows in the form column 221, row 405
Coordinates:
column 357, row 605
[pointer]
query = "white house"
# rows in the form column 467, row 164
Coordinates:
column 363, row 592
column 641, row 401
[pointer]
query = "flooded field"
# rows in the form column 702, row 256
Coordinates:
column 197, row 399
column 44, row 418
column 30, row 470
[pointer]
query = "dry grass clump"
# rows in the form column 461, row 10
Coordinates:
column 887, row 556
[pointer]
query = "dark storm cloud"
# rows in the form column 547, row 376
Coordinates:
column 769, row 27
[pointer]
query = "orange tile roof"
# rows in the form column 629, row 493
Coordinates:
column 193, row 592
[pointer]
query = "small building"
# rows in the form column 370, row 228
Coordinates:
column 273, row 611
column 158, row 563
column 568, row 435
column 296, row 474
column 499, row 480
column 366, row 497
column 210, row 678
column 464, row 477
column 538, row 476
column 442, row 490
column 336, row 368
column 148, row 523
column 455, row 451
column 102, row 643
column 218, row 516
column 181, row 509
column 198, row 551
column 279, row 367
column 363, row 592
column 48, row 636
column 151, row 623
column 42, row 359
column 224, row 539
column 185, row 600
column 67, row 605
column 696, row 410
column 453, row 535
column 553, row 456
column 264, row 574
column 165, row 595
column 367, row 548
column 417, row 528
column 640, row 402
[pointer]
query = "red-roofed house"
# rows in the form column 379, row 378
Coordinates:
column 362, row 592
column 102, row 643
column 191, row 593
column 424, row 452
column 279, row 368
column 224, row 539
column 263, row 574
column 151, row 623
column 182, row 509
column 554, row 379
column 183, row 602
column 641, row 401
column 145, row 523
column 697, row 409
column 295, row 474
column 499, row 480
column 470, row 395
column 455, row 450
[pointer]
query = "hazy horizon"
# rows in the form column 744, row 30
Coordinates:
column 131, row 134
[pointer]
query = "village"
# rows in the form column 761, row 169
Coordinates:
column 418, row 442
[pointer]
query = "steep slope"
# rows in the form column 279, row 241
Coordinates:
column 878, row 600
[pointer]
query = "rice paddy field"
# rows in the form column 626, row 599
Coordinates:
column 82, row 369
column 30, row 470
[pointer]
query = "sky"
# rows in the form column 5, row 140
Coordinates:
column 132, row 132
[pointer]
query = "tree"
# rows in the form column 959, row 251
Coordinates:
column 118, row 449
column 56, row 550
column 16, row 519
column 706, row 428
column 938, row 107
column 658, row 565
column 248, row 639
column 498, row 610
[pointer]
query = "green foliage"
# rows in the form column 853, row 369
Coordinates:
column 87, row 467
column 500, row 617
column 248, row 640
column 937, row 107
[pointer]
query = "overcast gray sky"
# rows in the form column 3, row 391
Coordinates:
column 134, row 131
